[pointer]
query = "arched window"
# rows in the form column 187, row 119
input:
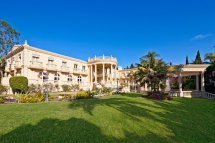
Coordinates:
column 56, row 77
column 79, row 79
column 69, row 78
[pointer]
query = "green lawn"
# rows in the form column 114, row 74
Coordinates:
column 122, row 118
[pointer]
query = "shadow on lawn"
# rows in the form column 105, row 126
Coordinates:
column 73, row 130
column 188, row 120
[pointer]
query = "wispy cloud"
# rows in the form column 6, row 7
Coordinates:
column 201, row 36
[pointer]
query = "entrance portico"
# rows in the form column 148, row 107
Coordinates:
column 103, row 71
column 196, row 70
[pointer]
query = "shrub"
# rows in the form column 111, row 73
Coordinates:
column 32, row 88
column 83, row 95
column 57, row 87
column 51, row 87
column 94, row 92
column 2, row 99
column 19, row 84
column 3, row 89
column 210, row 79
column 107, row 90
column 75, row 87
column 158, row 95
column 37, row 97
column 66, row 88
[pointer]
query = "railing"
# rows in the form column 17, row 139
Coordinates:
column 76, row 70
column 12, row 66
column 18, row 64
column 79, row 70
column 174, row 93
column 84, row 71
column 105, row 58
column 36, row 63
column 52, row 66
column 208, row 95
column 188, row 94
column 65, row 68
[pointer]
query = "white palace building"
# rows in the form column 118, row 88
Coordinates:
column 41, row 66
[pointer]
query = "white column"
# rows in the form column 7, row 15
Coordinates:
column 202, row 82
column 180, row 85
column 111, row 73
column 95, row 73
column 91, row 74
column 103, row 74
column 146, row 87
column 115, row 71
column 197, row 82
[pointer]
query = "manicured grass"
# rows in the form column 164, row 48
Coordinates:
column 122, row 118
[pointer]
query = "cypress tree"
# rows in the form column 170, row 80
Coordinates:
column 198, row 59
column 132, row 66
column 187, row 61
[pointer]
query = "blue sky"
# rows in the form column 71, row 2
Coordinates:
column 124, row 29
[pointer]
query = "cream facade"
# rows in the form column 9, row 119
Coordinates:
column 41, row 66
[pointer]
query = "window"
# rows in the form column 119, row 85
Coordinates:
column 83, row 68
column 19, row 57
column 44, row 76
column 56, row 77
column 64, row 64
column 79, row 79
column 12, row 60
column 69, row 79
column 50, row 62
column 75, row 66
column 34, row 58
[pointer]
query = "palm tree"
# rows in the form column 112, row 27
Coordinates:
column 149, row 59
column 210, row 57
column 152, row 71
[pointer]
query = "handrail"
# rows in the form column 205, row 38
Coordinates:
column 103, row 58
column 208, row 95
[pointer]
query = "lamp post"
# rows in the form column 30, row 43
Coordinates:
column 117, row 79
column 45, row 80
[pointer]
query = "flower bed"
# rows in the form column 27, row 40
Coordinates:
column 158, row 95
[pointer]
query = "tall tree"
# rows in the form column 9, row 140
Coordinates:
column 132, row 66
column 8, row 38
column 152, row 71
column 198, row 59
column 170, row 63
column 187, row 60
column 210, row 57
column 149, row 59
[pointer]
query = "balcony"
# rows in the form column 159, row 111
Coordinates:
column 7, row 68
column 64, row 69
column 12, row 67
column 52, row 67
column 84, row 72
column 103, row 59
column 76, row 70
column 18, row 65
column 36, row 65
column 79, row 71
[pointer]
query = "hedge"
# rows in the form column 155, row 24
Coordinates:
column 19, row 84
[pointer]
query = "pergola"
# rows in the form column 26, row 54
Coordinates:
column 191, row 70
